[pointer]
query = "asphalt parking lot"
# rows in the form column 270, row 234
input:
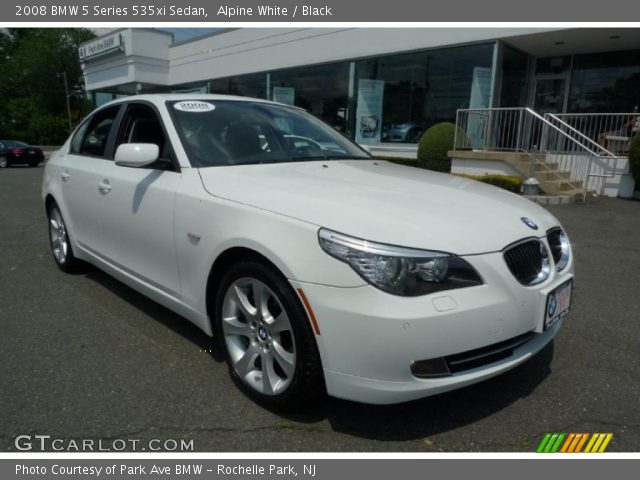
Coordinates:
column 83, row 356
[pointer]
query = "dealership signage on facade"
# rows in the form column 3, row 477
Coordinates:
column 101, row 46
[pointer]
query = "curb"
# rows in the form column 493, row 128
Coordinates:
column 550, row 199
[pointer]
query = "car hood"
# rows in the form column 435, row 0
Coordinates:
column 384, row 202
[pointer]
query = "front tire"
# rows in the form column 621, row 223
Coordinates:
column 4, row 163
column 59, row 241
column 270, row 347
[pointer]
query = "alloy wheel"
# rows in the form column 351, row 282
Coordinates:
column 259, row 336
column 58, row 236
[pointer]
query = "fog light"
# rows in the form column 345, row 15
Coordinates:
column 434, row 368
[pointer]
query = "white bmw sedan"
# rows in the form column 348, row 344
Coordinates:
column 318, row 268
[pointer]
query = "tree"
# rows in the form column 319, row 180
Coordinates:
column 32, row 94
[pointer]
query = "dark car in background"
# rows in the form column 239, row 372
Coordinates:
column 13, row 152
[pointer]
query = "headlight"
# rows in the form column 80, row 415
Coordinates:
column 560, row 249
column 397, row 270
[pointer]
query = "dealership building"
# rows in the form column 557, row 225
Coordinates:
column 381, row 86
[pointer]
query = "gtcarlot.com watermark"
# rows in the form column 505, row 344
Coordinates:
column 47, row 443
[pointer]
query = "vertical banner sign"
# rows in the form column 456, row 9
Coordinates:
column 369, row 111
column 286, row 95
column 479, row 98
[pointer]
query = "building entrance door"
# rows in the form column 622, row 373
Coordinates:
column 551, row 93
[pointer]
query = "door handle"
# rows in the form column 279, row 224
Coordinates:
column 65, row 176
column 104, row 186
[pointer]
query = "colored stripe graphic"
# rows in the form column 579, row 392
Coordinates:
column 551, row 442
column 591, row 443
column 598, row 442
column 574, row 442
column 568, row 442
column 578, row 448
column 552, row 439
column 543, row 443
column 576, row 438
column 607, row 439
column 556, row 446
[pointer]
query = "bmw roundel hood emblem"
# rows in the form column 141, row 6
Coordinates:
column 529, row 223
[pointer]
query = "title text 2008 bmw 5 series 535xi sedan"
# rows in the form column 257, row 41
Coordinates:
column 318, row 268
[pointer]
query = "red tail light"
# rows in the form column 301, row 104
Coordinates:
column 16, row 151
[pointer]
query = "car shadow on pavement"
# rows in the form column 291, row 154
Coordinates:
column 407, row 421
column 432, row 415
column 154, row 310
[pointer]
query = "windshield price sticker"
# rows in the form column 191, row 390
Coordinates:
column 192, row 106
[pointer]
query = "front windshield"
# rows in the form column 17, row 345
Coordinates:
column 235, row 132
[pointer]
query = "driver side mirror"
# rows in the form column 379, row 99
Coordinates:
column 136, row 155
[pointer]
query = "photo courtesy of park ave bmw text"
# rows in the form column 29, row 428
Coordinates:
column 294, row 231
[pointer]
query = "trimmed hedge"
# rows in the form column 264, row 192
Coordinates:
column 508, row 182
column 434, row 146
column 634, row 158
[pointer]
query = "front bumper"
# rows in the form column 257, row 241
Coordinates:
column 369, row 339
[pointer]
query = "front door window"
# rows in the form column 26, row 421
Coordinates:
column 550, row 94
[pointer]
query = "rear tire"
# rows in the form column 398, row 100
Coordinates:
column 59, row 241
column 264, row 330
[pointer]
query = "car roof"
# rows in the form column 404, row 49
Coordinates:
column 160, row 98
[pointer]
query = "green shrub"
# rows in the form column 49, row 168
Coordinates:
column 434, row 146
column 508, row 182
column 634, row 158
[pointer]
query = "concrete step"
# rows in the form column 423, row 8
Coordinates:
column 540, row 166
column 553, row 175
column 559, row 187
column 509, row 157
column 551, row 199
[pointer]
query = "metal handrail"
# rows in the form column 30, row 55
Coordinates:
column 582, row 135
column 560, row 131
column 609, row 130
column 523, row 129
column 535, row 115
column 606, row 114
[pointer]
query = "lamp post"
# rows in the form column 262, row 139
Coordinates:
column 67, row 97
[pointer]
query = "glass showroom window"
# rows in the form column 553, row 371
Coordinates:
column 100, row 98
column 513, row 89
column 195, row 87
column 605, row 82
column 253, row 85
column 322, row 90
column 400, row 96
